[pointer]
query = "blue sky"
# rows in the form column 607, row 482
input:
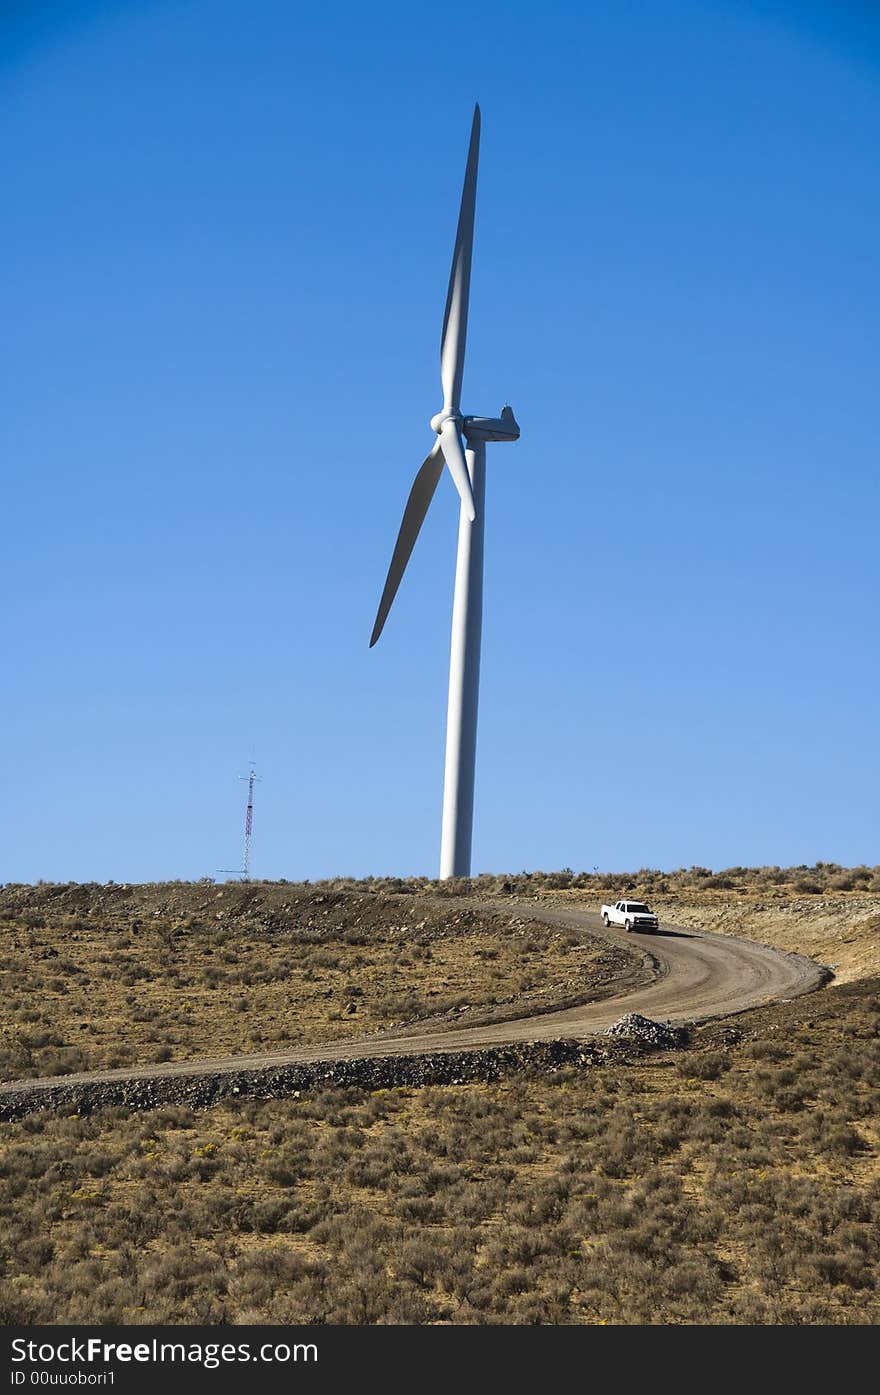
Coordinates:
column 227, row 231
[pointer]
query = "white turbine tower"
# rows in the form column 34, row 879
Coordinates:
column 468, row 470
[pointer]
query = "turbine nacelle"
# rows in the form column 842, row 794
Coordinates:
column 503, row 428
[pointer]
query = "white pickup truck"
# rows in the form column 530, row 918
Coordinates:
column 632, row 915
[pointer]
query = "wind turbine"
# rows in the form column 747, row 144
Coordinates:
column 468, row 469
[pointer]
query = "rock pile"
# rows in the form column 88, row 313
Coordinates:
column 201, row 1088
column 660, row 1035
column 150, row 1087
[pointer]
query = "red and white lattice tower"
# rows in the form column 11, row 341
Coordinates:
column 248, row 823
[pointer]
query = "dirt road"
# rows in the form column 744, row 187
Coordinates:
column 696, row 975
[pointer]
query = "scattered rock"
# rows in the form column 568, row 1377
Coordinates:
column 731, row 1036
column 201, row 1089
column 661, row 1035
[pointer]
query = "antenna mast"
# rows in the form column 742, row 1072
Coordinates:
column 248, row 823
column 245, row 870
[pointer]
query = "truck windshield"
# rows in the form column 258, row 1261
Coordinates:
column 637, row 906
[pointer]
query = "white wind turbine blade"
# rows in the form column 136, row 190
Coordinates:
column 450, row 442
column 452, row 340
column 417, row 504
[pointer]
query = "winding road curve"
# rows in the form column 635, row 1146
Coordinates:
column 695, row 976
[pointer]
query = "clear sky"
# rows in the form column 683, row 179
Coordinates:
column 226, row 235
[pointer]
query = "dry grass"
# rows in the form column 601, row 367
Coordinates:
column 99, row 976
column 737, row 1182
column 108, row 976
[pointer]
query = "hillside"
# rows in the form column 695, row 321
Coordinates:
column 105, row 976
column 733, row 1180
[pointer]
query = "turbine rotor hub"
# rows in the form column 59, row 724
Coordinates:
column 439, row 420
